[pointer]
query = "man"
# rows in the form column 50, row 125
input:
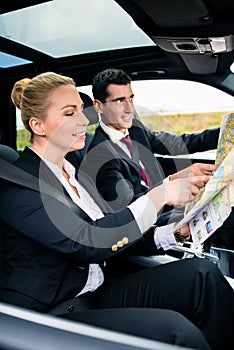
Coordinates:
column 123, row 174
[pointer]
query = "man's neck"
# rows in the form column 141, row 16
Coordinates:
column 113, row 133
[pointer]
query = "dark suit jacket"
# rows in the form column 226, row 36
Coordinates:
column 48, row 244
column 117, row 176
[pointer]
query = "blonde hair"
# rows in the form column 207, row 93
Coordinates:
column 32, row 96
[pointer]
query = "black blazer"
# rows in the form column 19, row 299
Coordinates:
column 48, row 246
column 117, row 176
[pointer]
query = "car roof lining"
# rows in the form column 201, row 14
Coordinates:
column 142, row 60
column 165, row 18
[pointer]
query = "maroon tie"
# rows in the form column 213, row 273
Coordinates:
column 128, row 142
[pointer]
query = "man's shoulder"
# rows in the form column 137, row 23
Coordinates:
column 100, row 150
column 136, row 122
column 99, row 137
column 138, row 129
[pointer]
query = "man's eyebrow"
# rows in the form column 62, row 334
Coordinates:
column 121, row 98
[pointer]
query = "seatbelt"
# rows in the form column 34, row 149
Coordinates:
column 12, row 173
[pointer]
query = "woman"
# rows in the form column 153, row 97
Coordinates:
column 55, row 251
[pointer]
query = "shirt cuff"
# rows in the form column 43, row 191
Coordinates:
column 164, row 237
column 144, row 213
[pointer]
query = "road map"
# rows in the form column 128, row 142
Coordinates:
column 213, row 205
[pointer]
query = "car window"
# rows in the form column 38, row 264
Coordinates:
column 174, row 106
column 179, row 106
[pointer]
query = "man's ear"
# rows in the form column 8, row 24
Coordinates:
column 98, row 105
column 37, row 126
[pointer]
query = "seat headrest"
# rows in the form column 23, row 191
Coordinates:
column 89, row 110
column 7, row 153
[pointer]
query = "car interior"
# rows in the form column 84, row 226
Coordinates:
column 150, row 40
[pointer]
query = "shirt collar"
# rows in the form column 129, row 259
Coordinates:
column 68, row 167
column 114, row 135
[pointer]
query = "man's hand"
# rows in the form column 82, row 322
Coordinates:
column 177, row 192
column 197, row 169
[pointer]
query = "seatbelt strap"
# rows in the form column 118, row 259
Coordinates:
column 12, row 173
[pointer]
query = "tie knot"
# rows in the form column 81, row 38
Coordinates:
column 128, row 142
column 127, row 138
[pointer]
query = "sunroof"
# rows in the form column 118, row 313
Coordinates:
column 68, row 27
column 11, row 61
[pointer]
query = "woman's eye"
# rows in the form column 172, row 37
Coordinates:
column 69, row 114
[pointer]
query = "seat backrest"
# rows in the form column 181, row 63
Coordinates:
column 7, row 153
column 89, row 109
column 76, row 157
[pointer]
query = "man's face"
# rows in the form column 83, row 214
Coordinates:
column 118, row 111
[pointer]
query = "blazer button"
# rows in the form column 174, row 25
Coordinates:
column 125, row 240
column 120, row 244
column 114, row 248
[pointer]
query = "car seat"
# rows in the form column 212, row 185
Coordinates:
column 7, row 153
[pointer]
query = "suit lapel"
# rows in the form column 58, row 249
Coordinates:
column 117, row 151
column 145, row 153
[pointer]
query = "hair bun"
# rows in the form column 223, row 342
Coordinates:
column 18, row 90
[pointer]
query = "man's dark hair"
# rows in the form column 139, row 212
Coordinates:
column 103, row 79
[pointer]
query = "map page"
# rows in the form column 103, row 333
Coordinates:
column 213, row 205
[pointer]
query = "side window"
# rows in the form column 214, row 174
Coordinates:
column 178, row 106
column 22, row 135
column 174, row 106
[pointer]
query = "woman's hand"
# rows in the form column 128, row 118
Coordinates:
column 183, row 234
column 185, row 231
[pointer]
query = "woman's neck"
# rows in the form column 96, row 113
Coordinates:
column 49, row 152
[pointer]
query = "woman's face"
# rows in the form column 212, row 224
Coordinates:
column 65, row 124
